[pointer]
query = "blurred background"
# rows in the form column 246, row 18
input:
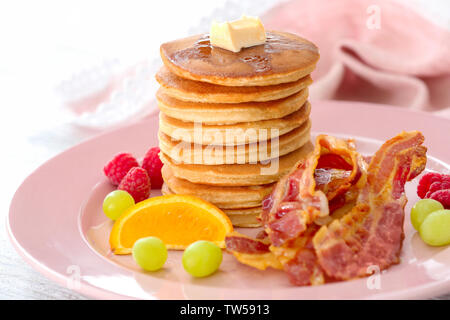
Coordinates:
column 72, row 69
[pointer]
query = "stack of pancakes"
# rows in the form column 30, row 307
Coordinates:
column 231, row 124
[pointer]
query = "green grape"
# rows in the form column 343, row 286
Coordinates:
column 116, row 203
column 202, row 258
column 422, row 209
column 435, row 229
column 149, row 253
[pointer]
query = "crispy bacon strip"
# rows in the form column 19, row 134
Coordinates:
column 315, row 188
column 238, row 242
column 371, row 234
column 299, row 260
column 303, row 196
column 252, row 252
column 300, row 199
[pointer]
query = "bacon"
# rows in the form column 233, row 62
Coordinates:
column 303, row 196
column 252, row 252
column 306, row 195
column 240, row 243
column 299, row 260
column 335, row 161
column 304, row 270
column 371, row 234
column 262, row 235
column 335, row 215
column 289, row 226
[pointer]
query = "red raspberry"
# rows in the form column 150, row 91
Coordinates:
column 119, row 166
column 443, row 196
column 426, row 181
column 153, row 165
column 435, row 186
column 136, row 183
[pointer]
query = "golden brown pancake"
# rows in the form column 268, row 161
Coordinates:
column 196, row 91
column 232, row 134
column 189, row 153
column 284, row 57
column 245, row 218
column 222, row 197
column 228, row 113
column 238, row 174
column 240, row 217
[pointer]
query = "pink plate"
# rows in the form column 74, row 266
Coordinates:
column 59, row 228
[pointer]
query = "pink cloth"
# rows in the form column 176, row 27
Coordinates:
column 405, row 62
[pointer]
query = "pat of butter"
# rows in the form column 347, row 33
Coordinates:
column 237, row 34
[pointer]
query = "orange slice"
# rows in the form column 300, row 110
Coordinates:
column 178, row 220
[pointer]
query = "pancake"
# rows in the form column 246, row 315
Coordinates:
column 238, row 174
column 228, row 113
column 240, row 217
column 245, row 218
column 196, row 91
column 189, row 153
column 284, row 57
column 223, row 197
column 232, row 134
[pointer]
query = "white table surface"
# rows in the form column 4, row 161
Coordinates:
column 45, row 41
